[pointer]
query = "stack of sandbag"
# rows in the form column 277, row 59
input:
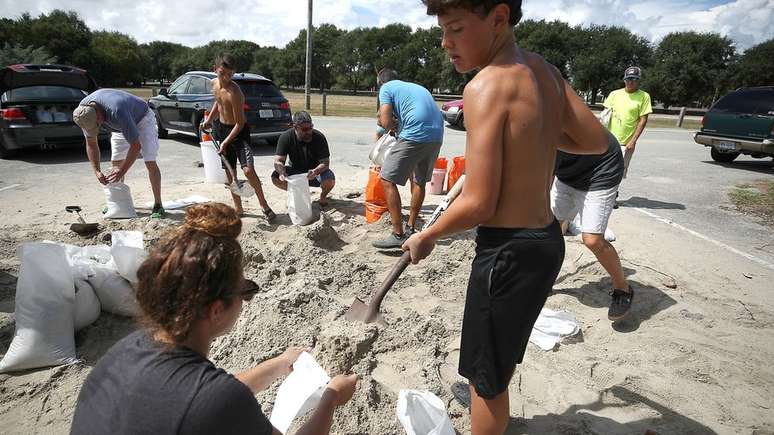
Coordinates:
column 62, row 289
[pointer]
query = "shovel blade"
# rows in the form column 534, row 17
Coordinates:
column 241, row 189
column 361, row 312
column 84, row 229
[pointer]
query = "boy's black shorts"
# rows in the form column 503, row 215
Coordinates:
column 512, row 275
column 239, row 149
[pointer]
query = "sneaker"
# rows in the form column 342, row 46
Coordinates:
column 410, row 231
column 393, row 241
column 620, row 304
column 461, row 392
column 158, row 212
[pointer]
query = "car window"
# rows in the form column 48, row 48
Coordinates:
column 178, row 87
column 259, row 89
column 43, row 93
column 764, row 102
column 198, row 85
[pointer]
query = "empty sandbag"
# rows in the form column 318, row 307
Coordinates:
column 45, row 310
column 423, row 413
column 299, row 200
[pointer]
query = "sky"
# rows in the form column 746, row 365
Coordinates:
column 275, row 22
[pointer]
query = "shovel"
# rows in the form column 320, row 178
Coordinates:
column 237, row 187
column 369, row 313
column 81, row 228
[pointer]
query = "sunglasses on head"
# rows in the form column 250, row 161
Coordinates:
column 249, row 289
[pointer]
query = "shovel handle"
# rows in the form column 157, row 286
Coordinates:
column 376, row 299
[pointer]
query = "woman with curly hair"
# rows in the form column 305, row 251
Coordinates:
column 158, row 380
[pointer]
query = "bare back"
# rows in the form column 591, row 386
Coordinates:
column 230, row 100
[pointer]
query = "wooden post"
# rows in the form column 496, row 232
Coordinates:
column 325, row 104
column 680, row 119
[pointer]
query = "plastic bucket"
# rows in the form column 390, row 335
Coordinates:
column 435, row 186
column 441, row 163
column 374, row 212
column 456, row 171
column 213, row 171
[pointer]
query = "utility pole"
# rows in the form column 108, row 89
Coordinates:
column 308, row 57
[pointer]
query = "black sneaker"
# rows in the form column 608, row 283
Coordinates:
column 393, row 241
column 620, row 304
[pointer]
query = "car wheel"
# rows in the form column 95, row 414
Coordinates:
column 723, row 157
column 163, row 133
column 6, row 153
column 461, row 122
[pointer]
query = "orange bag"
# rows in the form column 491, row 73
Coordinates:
column 456, row 171
column 441, row 163
column 375, row 200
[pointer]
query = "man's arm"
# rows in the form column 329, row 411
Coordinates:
column 92, row 151
column 279, row 166
column 131, row 157
column 386, row 119
column 324, row 164
column 483, row 164
column 212, row 114
column 583, row 133
column 237, row 105
column 640, row 128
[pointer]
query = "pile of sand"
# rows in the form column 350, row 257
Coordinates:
column 693, row 369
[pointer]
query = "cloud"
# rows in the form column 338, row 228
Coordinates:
column 271, row 22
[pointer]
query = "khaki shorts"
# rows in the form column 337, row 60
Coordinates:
column 627, row 154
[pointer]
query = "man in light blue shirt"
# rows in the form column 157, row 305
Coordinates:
column 420, row 135
column 133, row 130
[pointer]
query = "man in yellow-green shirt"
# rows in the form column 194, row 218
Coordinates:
column 631, row 107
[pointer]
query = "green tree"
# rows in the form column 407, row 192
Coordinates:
column 15, row 53
column 160, row 57
column 606, row 52
column 756, row 66
column 263, row 62
column 63, row 34
column 690, row 68
column 117, row 59
column 556, row 41
column 324, row 40
column 349, row 70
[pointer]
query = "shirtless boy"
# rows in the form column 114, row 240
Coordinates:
column 518, row 111
column 231, row 129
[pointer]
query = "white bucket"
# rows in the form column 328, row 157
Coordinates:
column 213, row 171
column 435, row 186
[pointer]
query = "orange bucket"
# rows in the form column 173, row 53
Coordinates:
column 375, row 200
column 456, row 171
column 441, row 163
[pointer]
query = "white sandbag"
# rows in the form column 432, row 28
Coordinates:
column 128, row 253
column 87, row 307
column 45, row 310
column 115, row 294
column 299, row 393
column 119, row 201
column 423, row 413
column 299, row 199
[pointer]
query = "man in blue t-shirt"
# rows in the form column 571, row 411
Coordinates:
column 420, row 135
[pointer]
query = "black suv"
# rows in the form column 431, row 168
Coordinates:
column 180, row 108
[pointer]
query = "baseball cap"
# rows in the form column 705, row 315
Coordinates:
column 302, row 117
column 632, row 72
column 86, row 118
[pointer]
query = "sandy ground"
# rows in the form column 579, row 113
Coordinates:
column 694, row 356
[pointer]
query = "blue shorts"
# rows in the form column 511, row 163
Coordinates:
column 315, row 182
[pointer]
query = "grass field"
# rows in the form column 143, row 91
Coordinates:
column 755, row 198
column 363, row 106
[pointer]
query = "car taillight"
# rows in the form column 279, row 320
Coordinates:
column 285, row 106
column 246, row 106
column 13, row 114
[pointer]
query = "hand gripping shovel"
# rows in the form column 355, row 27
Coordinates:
column 81, row 228
column 369, row 313
column 237, row 187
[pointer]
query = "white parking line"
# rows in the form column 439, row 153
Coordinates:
column 763, row 263
column 12, row 186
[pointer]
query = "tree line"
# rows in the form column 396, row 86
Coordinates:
column 683, row 69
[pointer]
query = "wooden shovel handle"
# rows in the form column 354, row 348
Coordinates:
column 400, row 266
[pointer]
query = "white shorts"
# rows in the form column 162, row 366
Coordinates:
column 594, row 207
column 149, row 140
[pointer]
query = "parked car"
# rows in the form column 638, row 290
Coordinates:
column 180, row 108
column 742, row 122
column 452, row 113
column 36, row 106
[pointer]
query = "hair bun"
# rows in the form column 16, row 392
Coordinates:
column 215, row 219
